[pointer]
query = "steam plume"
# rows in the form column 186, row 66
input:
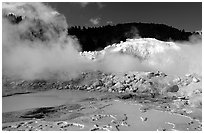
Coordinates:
column 36, row 46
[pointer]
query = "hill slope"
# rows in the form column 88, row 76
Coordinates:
column 94, row 38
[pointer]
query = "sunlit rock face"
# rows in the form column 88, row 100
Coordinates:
column 142, row 48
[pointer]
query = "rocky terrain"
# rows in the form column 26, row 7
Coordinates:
column 47, row 84
column 154, row 90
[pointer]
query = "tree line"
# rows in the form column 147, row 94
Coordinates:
column 96, row 38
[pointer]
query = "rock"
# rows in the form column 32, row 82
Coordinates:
column 130, row 89
column 144, row 109
column 177, row 80
column 186, row 83
column 118, row 85
column 108, row 84
column 150, row 75
column 135, row 90
column 126, row 96
column 197, row 91
column 60, row 88
column 110, row 90
column 127, row 89
column 173, row 88
column 188, row 75
column 195, row 80
column 144, row 118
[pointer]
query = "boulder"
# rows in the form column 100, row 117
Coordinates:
column 195, row 80
column 173, row 88
column 118, row 85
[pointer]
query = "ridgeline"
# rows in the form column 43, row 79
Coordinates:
column 96, row 38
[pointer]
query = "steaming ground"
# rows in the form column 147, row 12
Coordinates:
column 148, row 54
column 38, row 55
column 36, row 46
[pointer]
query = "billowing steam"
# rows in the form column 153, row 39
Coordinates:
column 148, row 54
column 36, row 46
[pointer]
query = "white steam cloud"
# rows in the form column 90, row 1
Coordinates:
column 172, row 58
column 37, row 47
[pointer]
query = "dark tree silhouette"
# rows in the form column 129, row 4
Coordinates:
column 95, row 38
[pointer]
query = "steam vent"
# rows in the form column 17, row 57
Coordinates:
column 87, row 66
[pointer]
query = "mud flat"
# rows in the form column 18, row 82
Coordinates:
column 89, row 111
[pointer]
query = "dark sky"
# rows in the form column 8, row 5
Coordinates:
column 181, row 15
